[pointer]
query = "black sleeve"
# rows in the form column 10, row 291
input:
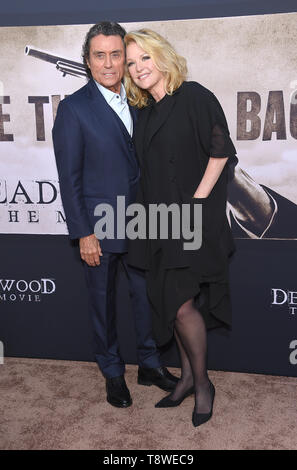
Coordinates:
column 221, row 145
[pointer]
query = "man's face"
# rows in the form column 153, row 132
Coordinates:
column 107, row 61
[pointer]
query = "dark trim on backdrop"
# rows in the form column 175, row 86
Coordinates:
column 56, row 325
column 32, row 12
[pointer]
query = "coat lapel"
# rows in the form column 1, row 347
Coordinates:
column 140, row 131
column 142, row 140
column 160, row 119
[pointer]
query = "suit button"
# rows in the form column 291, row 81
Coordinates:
column 172, row 160
column 173, row 179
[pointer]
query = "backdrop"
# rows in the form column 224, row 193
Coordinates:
column 249, row 62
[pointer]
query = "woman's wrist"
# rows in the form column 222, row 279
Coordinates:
column 199, row 196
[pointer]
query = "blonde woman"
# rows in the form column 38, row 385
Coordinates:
column 183, row 144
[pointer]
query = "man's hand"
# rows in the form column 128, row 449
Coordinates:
column 90, row 250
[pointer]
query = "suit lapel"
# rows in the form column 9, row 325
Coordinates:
column 99, row 104
column 133, row 113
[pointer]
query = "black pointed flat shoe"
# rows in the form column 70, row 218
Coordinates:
column 201, row 418
column 166, row 402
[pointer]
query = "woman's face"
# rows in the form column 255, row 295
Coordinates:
column 143, row 71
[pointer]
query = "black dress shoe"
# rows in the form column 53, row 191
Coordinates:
column 117, row 392
column 200, row 418
column 166, row 402
column 158, row 376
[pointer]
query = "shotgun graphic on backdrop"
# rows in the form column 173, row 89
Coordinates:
column 65, row 66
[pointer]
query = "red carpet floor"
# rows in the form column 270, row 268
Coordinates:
column 47, row 404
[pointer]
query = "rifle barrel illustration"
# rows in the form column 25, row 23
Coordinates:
column 65, row 66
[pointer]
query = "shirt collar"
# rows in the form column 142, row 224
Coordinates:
column 110, row 95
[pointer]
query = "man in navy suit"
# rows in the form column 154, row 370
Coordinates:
column 96, row 162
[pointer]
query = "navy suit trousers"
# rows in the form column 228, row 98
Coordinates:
column 101, row 283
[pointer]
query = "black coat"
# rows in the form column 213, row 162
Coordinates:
column 191, row 128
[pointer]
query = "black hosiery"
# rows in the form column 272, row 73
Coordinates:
column 186, row 380
column 192, row 342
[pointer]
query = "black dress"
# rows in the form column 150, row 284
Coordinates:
column 166, row 143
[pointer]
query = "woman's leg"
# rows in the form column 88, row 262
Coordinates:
column 192, row 334
column 186, row 380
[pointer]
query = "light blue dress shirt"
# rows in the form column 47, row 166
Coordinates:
column 118, row 102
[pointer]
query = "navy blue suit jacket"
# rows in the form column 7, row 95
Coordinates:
column 96, row 160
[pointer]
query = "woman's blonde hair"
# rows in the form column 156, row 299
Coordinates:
column 166, row 60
